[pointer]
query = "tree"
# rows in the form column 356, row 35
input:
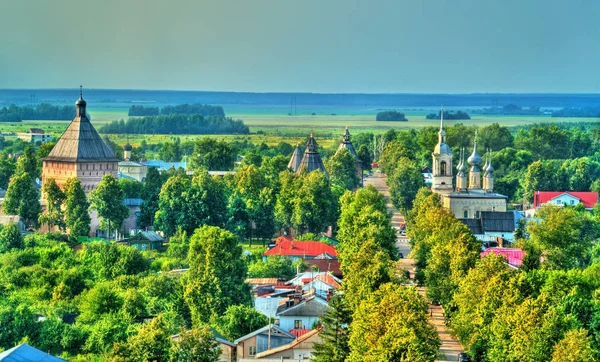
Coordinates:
column 150, row 194
column 335, row 333
column 195, row 345
column 217, row 273
column 560, row 237
column 251, row 187
column 365, row 273
column 239, row 320
column 189, row 203
column 178, row 246
column 77, row 218
column 366, row 157
column 23, row 199
column 342, row 169
column 363, row 217
column 10, row 238
column 212, row 155
column 545, row 142
column 17, row 321
column 55, row 198
column 273, row 267
column 495, row 137
column 392, row 153
column 7, row 169
column 151, row 343
column 286, row 198
column 28, row 163
column 391, row 116
column 99, row 300
column 132, row 189
column 107, row 200
column 404, row 184
column 575, row 346
column 392, row 325
column 106, row 331
column 108, row 261
column 477, row 300
column 545, row 176
column 314, row 204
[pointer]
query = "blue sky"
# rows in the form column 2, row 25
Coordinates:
column 368, row 46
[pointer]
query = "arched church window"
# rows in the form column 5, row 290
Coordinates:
column 443, row 168
column 466, row 214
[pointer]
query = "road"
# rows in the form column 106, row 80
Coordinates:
column 450, row 348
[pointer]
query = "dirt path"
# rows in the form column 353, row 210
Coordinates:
column 450, row 348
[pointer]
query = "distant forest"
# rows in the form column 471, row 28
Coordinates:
column 450, row 115
column 203, row 109
column 44, row 111
column 391, row 116
column 591, row 112
column 178, row 123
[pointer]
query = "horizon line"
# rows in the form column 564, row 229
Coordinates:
column 303, row 92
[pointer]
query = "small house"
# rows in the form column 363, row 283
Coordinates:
column 144, row 240
column 261, row 340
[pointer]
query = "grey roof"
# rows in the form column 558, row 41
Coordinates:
column 475, row 194
column 474, row 225
column 491, row 221
column 312, row 307
column 264, row 330
column 144, row 235
column 81, row 143
column 311, row 160
column 498, row 221
column 129, row 163
column 26, row 353
column 347, row 144
column 294, row 163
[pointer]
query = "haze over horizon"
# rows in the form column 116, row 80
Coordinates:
column 351, row 46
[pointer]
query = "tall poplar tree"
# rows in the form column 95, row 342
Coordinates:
column 55, row 198
column 77, row 217
column 107, row 200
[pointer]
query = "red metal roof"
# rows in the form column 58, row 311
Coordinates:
column 286, row 247
column 329, row 265
column 589, row 199
column 299, row 332
column 328, row 279
column 514, row 256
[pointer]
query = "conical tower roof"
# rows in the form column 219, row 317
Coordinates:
column 347, row 144
column 294, row 163
column 311, row 160
column 80, row 142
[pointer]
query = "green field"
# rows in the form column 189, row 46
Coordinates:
column 272, row 128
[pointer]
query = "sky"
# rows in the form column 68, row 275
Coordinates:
column 321, row 46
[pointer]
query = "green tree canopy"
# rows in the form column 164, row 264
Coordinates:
column 392, row 325
column 212, row 155
column 107, row 200
column 239, row 320
column 342, row 169
column 217, row 273
column 77, row 217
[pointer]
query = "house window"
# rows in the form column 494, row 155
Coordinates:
column 572, row 202
column 297, row 324
column 477, row 214
column 466, row 214
column 251, row 351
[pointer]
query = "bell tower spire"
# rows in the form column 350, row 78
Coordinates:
column 80, row 104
